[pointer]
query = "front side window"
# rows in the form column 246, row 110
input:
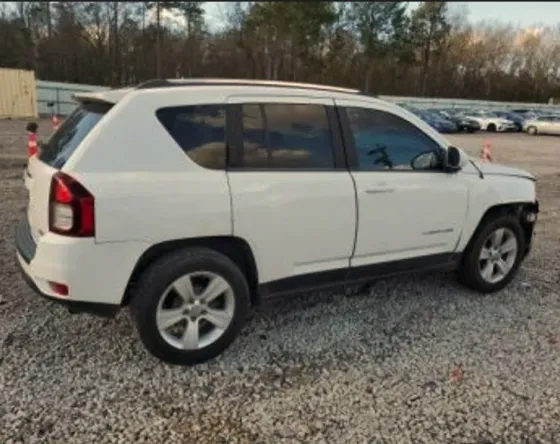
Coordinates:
column 386, row 142
column 286, row 136
column 200, row 131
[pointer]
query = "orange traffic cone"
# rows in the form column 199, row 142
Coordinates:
column 486, row 152
column 32, row 148
column 31, row 144
column 55, row 122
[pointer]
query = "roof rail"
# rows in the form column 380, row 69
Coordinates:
column 167, row 83
column 155, row 83
column 365, row 93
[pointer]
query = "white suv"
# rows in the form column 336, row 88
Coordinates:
column 192, row 200
column 490, row 121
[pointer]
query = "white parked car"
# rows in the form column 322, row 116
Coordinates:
column 543, row 125
column 192, row 200
column 490, row 121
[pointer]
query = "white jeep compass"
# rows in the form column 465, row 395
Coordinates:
column 192, row 200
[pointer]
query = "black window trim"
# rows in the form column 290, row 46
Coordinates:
column 234, row 123
column 352, row 153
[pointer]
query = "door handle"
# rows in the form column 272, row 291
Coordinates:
column 379, row 190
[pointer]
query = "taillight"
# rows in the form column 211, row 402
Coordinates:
column 71, row 207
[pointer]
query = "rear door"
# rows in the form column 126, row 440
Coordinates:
column 53, row 156
column 293, row 199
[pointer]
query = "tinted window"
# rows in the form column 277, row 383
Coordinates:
column 200, row 131
column 286, row 136
column 75, row 128
column 385, row 141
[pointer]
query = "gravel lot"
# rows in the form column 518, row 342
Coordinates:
column 377, row 365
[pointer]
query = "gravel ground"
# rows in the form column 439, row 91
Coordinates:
column 417, row 359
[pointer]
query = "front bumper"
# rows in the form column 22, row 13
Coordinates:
column 529, row 226
column 470, row 127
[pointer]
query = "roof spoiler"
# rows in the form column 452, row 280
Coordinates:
column 109, row 97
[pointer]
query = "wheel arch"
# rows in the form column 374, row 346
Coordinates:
column 517, row 209
column 235, row 248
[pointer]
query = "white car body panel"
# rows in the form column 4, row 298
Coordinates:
column 551, row 127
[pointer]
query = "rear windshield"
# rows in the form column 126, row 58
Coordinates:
column 75, row 128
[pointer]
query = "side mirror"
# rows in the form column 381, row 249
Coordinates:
column 424, row 161
column 453, row 161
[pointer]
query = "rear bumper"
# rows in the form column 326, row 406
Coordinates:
column 104, row 310
column 96, row 274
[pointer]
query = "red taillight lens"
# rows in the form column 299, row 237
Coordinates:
column 71, row 207
column 59, row 288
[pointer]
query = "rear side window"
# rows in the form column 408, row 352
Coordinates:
column 71, row 133
column 286, row 136
column 200, row 131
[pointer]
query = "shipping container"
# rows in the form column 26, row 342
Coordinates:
column 18, row 93
column 59, row 96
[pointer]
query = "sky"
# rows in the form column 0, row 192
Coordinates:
column 518, row 13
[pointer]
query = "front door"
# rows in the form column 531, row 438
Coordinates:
column 407, row 206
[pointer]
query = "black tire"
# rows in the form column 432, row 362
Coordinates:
column 532, row 131
column 160, row 275
column 470, row 130
column 491, row 128
column 469, row 273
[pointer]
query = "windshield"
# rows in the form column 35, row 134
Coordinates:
column 75, row 128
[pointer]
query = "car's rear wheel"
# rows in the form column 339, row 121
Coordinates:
column 190, row 305
column 494, row 255
column 491, row 127
column 532, row 131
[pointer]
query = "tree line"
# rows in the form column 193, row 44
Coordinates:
column 379, row 47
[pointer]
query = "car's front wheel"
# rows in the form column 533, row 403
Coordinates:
column 494, row 255
column 190, row 305
column 532, row 131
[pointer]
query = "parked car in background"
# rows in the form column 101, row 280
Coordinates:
column 517, row 119
column 525, row 112
column 543, row 125
column 436, row 121
column 463, row 123
column 528, row 114
column 490, row 121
